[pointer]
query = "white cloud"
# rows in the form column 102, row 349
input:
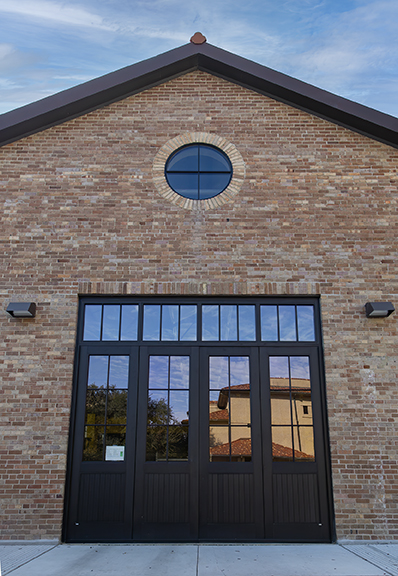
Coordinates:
column 43, row 10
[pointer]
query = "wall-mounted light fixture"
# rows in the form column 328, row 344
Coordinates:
column 378, row 309
column 22, row 309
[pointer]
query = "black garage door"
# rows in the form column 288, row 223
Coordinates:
column 198, row 420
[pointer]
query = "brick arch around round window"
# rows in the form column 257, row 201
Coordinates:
column 235, row 157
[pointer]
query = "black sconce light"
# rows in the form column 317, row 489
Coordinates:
column 378, row 309
column 22, row 309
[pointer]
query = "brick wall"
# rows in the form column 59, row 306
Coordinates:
column 317, row 214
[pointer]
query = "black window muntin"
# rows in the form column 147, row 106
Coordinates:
column 198, row 179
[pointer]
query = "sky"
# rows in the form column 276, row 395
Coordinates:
column 348, row 47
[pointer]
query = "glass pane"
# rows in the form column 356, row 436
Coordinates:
column 184, row 160
column 179, row 407
column 119, row 372
column 219, row 447
column 247, row 323
column 212, row 184
column 184, row 184
column 129, row 330
column 188, row 323
column 110, row 325
column 151, row 330
column 170, row 322
column 92, row 322
column 218, row 372
column 210, row 322
column 95, row 406
column 218, row 408
column 211, row 160
column 157, row 407
column 158, row 372
column 179, row 372
column 97, row 372
column 305, row 323
column 178, row 443
column 229, row 322
column 241, row 444
column 239, row 405
column 93, row 443
column 300, row 372
column 269, row 324
column 303, row 443
column 282, row 448
column 115, row 442
column 279, row 369
column 287, row 323
column 156, row 443
column 302, row 409
column 240, row 372
column 280, row 409
column 116, row 412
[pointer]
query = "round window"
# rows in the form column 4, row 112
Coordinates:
column 198, row 171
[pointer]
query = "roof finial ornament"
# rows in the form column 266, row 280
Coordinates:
column 198, row 38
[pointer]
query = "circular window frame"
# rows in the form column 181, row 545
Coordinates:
column 227, row 195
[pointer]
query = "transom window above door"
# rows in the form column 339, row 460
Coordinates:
column 204, row 322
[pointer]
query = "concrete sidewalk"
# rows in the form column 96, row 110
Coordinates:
column 50, row 559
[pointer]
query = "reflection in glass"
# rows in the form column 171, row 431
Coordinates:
column 158, row 372
column 184, row 184
column 92, row 322
column 304, row 443
column 111, row 319
column 119, row 372
column 188, row 323
column 280, row 409
column 211, row 160
column 129, row 329
column 300, row 369
column 218, row 372
column 184, row 160
column 117, row 407
column 97, row 372
column 95, row 406
column 218, row 411
column 305, row 323
column 229, row 322
column 93, row 443
column 282, row 444
column 115, row 436
column 212, row 184
column 219, row 445
column 170, row 322
column 179, row 372
column 247, row 323
column 156, row 443
column 279, row 367
column 157, row 407
column 151, row 329
column 178, row 406
column 269, row 323
column 210, row 329
column 178, row 443
column 287, row 323
column 239, row 370
column 241, row 444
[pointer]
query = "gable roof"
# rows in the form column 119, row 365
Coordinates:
column 117, row 85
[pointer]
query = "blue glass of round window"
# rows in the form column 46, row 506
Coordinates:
column 198, row 171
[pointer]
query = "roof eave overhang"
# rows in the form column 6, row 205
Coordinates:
column 117, row 85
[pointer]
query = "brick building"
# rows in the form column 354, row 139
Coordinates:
column 199, row 234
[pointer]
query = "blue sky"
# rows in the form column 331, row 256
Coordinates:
column 349, row 47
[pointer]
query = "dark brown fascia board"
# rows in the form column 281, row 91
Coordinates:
column 117, row 85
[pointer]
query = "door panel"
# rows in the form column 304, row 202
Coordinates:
column 104, row 447
column 166, row 480
column 293, row 432
column 230, row 445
